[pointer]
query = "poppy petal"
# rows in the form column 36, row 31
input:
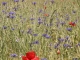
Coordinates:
column 36, row 58
column 24, row 58
column 30, row 55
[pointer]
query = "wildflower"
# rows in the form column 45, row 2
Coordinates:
column 4, row 3
column 12, row 29
column 43, row 58
column 34, row 3
column 73, row 11
column 56, row 45
column 66, row 46
column 31, row 55
column 13, row 55
column 69, row 29
column 15, row 8
column 35, row 42
column 31, row 18
column 39, row 20
column 75, row 59
column 35, row 34
column 58, row 51
column 60, row 39
column 72, row 23
column 16, row 0
column 52, row 1
column 62, row 23
column 12, row 17
column 46, row 36
column 11, row 13
column 4, row 27
column 67, row 17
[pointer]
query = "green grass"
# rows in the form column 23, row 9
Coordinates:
column 18, row 42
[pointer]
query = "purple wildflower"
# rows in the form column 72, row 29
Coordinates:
column 12, row 17
column 52, row 1
column 39, row 20
column 67, row 37
column 62, row 23
column 73, row 11
column 56, row 45
column 31, row 18
column 13, row 55
column 34, row 3
column 75, row 59
column 11, row 13
column 35, row 42
column 4, row 3
column 4, row 27
column 66, row 45
column 69, row 29
column 43, row 58
column 35, row 34
column 60, row 39
column 67, row 17
column 46, row 36
column 16, row 0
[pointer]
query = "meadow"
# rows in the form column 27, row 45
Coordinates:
column 44, row 26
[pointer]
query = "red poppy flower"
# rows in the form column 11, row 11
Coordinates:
column 36, row 58
column 30, row 56
column 72, row 23
column 24, row 58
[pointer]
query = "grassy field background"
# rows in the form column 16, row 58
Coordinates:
column 42, row 27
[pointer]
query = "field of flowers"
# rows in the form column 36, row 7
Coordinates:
column 51, row 28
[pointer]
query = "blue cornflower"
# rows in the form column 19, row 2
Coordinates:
column 69, row 29
column 66, row 45
column 73, row 11
column 46, row 36
column 43, row 58
column 31, row 18
column 4, row 27
column 4, row 3
column 11, row 17
column 16, row 0
column 56, row 45
column 67, row 17
column 60, row 39
column 34, row 3
column 13, row 55
column 35, row 34
column 11, row 13
column 62, row 23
